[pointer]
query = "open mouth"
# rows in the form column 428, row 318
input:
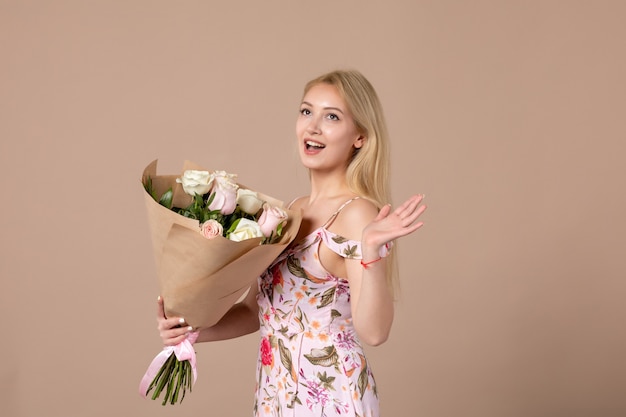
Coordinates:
column 311, row 145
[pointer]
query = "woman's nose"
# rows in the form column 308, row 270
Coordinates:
column 313, row 126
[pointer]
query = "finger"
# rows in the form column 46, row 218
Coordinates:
column 163, row 320
column 415, row 227
column 160, row 308
column 175, row 341
column 171, row 323
column 402, row 208
column 413, row 216
column 406, row 208
column 408, row 229
column 174, row 336
column 384, row 212
column 172, row 328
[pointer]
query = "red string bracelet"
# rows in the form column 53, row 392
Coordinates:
column 367, row 264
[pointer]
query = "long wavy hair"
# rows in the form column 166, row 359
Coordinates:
column 368, row 168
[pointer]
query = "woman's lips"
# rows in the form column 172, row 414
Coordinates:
column 311, row 145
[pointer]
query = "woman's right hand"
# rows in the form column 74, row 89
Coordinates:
column 172, row 330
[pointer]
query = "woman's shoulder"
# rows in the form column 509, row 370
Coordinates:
column 297, row 202
column 359, row 207
column 353, row 217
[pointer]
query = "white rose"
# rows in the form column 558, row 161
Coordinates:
column 224, row 178
column 211, row 228
column 249, row 201
column 196, row 182
column 246, row 229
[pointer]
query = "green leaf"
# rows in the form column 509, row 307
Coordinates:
column 339, row 239
column 298, row 319
column 363, row 378
column 327, row 297
column 350, row 252
column 147, row 185
column 293, row 264
column 285, row 358
column 166, row 199
column 198, row 200
column 210, row 199
column 232, row 227
column 323, row 357
column 326, row 380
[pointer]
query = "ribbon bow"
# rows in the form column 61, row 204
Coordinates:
column 184, row 352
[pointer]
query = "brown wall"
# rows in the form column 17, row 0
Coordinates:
column 508, row 115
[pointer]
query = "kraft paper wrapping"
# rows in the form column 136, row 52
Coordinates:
column 200, row 278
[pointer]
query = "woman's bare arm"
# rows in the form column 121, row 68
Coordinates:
column 371, row 296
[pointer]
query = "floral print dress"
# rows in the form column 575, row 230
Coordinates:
column 311, row 362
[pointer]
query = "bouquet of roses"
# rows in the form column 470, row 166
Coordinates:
column 212, row 238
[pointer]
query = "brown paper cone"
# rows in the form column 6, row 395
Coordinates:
column 200, row 278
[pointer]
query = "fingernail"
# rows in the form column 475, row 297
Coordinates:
column 181, row 320
column 159, row 298
column 189, row 328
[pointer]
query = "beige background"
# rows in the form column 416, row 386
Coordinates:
column 508, row 115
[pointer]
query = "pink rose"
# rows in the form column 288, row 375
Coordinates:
column 225, row 192
column 211, row 228
column 271, row 218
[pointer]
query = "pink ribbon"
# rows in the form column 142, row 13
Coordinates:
column 183, row 351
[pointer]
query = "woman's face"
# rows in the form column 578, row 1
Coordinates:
column 326, row 132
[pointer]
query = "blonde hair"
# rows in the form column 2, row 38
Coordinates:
column 368, row 169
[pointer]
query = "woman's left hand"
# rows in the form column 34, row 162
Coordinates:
column 389, row 225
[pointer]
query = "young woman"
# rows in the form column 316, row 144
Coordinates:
column 332, row 289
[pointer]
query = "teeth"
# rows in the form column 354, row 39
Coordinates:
column 312, row 144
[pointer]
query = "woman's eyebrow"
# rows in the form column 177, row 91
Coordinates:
column 325, row 108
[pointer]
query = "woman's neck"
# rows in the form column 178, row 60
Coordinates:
column 328, row 185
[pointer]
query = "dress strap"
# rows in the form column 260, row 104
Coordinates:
column 293, row 201
column 334, row 215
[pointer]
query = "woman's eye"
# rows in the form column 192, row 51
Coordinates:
column 305, row 112
column 333, row 116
